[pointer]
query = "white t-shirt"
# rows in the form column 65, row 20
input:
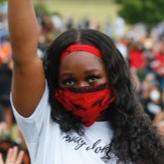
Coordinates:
column 47, row 144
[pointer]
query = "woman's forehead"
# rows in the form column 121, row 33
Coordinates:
column 81, row 62
column 84, row 59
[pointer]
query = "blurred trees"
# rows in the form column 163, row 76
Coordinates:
column 149, row 12
column 2, row 1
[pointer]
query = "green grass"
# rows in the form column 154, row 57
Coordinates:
column 99, row 10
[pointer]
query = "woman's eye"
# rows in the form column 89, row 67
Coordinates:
column 68, row 82
column 92, row 79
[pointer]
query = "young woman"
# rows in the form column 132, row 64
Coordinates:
column 79, row 106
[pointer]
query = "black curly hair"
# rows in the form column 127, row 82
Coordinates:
column 134, row 138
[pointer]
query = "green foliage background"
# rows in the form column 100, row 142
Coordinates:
column 149, row 12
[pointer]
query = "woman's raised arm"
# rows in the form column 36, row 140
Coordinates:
column 28, row 75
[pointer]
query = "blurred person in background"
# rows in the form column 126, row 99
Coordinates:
column 153, row 102
column 122, row 47
column 158, row 63
column 159, row 124
column 136, row 56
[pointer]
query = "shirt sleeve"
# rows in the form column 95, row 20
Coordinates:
column 31, row 126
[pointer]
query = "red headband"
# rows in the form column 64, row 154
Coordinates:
column 81, row 47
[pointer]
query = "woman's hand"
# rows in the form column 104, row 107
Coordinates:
column 13, row 156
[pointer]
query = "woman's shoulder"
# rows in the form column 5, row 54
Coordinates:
column 42, row 109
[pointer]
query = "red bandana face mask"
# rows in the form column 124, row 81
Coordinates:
column 86, row 103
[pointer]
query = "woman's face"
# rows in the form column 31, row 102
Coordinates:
column 81, row 69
